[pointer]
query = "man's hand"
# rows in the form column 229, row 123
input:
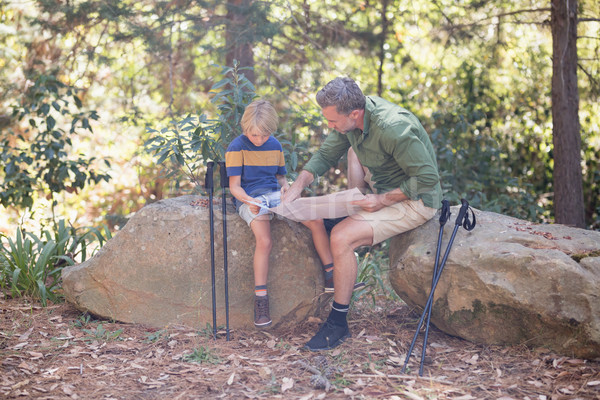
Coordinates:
column 371, row 203
column 375, row 202
column 304, row 179
column 291, row 193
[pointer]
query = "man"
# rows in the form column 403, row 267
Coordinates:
column 388, row 150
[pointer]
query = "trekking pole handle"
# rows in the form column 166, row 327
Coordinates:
column 223, row 171
column 462, row 212
column 445, row 212
column 208, row 178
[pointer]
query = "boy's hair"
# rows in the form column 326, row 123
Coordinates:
column 260, row 116
column 344, row 94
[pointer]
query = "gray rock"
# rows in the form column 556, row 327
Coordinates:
column 156, row 270
column 507, row 282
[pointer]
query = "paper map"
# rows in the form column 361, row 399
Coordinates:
column 333, row 205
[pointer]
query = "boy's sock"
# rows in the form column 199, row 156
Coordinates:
column 338, row 314
column 260, row 290
column 328, row 271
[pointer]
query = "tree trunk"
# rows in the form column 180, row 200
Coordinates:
column 568, row 185
column 384, row 29
column 238, row 39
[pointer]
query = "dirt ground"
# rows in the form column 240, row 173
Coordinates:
column 59, row 353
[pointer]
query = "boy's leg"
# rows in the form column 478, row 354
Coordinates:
column 261, row 227
column 321, row 241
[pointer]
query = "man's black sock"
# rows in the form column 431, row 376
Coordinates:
column 338, row 314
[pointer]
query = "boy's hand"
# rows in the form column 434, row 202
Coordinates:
column 254, row 209
column 253, row 204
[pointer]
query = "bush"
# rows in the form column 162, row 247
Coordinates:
column 31, row 265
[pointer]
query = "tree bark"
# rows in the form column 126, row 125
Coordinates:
column 384, row 29
column 238, row 39
column 568, row 185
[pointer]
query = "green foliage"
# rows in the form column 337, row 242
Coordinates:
column 28, row 266
column 83, row 321
column 101, row 333
column 153, row 337
column 470, row 161
column 38, row 159
column 231, row 95
column 31, row 265
column 373, row 266
column 489, row 57
column 190, row 143
column 202, row 355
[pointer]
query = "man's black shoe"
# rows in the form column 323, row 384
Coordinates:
column 328, row 337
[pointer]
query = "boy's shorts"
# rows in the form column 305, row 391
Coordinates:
column 397, row 218
column 271, row 199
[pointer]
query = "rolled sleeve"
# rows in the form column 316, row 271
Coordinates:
column 415, row 160
column 328, row 155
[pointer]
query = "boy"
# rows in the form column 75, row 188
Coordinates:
column 256, row 170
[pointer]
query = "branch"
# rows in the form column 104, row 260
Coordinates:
column 499, row 16
column 588, row 20
column 592, row 78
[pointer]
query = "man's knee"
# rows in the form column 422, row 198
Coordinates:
column 351, row 234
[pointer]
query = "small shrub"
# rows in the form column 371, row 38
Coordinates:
column 28, row 266
column 100, row 333
column 202, row 355
column 373, row 266
column 31, row 265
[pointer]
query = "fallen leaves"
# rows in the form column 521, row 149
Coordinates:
column 45, row 354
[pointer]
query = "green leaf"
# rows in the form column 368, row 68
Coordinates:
column 220, row 84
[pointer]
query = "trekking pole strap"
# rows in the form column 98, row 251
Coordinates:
column 463, row 216
column 467, row 223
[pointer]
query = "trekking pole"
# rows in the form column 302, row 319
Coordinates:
column 225, row 184
column 428, row 306
column 208, row 184
column 444, row 216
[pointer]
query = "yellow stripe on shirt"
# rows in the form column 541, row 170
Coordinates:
column 254, row 158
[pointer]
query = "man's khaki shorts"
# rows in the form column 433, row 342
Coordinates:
column 397, row 218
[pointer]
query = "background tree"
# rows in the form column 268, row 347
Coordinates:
column 476, row 73
column 568, row 184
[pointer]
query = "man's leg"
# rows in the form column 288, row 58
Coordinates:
column 345, row 237
column 356, row 172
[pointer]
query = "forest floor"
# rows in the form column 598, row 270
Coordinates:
column 59, row 353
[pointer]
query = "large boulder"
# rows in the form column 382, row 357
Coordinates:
column 157, row 269
column 507, row 282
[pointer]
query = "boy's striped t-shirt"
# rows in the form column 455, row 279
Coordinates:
column 257, row 166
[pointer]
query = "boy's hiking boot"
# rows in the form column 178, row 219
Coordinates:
column 329, row 336
column 262, row 319
column 329, row 285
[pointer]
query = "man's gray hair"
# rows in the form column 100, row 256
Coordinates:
column 344, row 94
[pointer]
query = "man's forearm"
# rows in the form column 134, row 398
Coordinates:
column 393, row 197
column 304, row 179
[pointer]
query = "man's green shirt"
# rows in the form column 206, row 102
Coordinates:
column 394, row 147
